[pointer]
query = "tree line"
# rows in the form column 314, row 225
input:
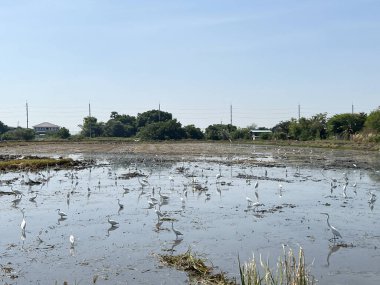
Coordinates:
column 160, row 125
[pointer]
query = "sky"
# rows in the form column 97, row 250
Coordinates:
column 194, row 59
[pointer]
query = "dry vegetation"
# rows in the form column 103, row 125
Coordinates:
column 195, row 267
column 35, row 163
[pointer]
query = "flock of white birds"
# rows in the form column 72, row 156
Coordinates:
column 183, row 179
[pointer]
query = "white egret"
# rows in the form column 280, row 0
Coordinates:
column 23, row 222
column 333, row 229
column 373, row 198
column 257, row 195
column 17, row 200
column 159, row 214
column 121, row 206
column 39, row 240
column 72, row 240
column 113, row 223
column 143, row 182
column 177, row 233
column 344, row 190
column 153, row 200
column 151, row 204
column 62, row 214
column 256, row 205
column 163, row 197
column 32, row 199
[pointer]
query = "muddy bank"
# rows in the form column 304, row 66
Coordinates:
column 226, row 153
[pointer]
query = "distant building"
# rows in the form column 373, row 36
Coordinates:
column 45, row 127
column 256, row 133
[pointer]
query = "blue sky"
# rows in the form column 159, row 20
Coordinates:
column 194, row 58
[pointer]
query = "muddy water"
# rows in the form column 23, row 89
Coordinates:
column 220, row 225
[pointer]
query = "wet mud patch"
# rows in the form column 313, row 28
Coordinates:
column 255, row 177
column 259, row 213
column 130, row 175
column 8, row 272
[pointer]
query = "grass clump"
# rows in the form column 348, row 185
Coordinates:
column 195, row 268
column 290, row 271
column 34, row 163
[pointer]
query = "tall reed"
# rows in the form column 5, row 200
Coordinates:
column 289, row 271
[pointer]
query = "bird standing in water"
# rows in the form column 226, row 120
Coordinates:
column 333, row 229
column 23, row 222
column 112, row 222
column 72, row 240
column 177, row 233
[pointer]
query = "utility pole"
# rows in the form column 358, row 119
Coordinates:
column 89, row 116
column 231, row 114
column 27, row 115
column 352, row 108
column 159, row 112
column 299, row 112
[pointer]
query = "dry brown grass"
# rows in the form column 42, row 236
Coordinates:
column 196, row 268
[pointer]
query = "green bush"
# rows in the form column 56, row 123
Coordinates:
column 373, row 121
column 168, row 130
column 19, row 134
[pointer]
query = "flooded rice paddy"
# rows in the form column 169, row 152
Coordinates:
column 208, row 200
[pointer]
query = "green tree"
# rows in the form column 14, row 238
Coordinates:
column 152, row 116
column 120, row 125
column 252, row 126
column 114, row 128
column 307, row 128
column 219, row 131
column 193, row 132
column 281, row 130
column 344, row 125
column 168, row 130
column 242, row 134
column 91, row 127
column 3, row 128
column 318, row 126
column 373, row 121
column 63, row 133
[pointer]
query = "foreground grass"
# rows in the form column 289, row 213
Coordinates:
column 289, row 271
column 34, row 163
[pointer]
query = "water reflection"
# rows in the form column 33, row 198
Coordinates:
column 158, row 226
column 110, row 229
column 332, row 249
column 175, row 243
column 23, row 235
column 61, row 220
